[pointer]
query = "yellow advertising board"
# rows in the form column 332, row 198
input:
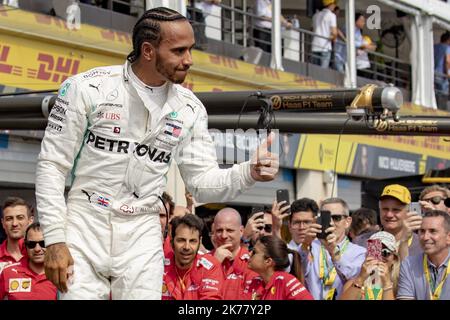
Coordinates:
column 38, row 52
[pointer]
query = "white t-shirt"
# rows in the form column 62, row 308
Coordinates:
column 263, row 8
column 154, row 98
column 205, row 7
column 323, row 21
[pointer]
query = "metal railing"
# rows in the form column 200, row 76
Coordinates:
column 238, row 27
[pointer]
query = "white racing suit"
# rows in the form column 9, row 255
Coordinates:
column 100, row 130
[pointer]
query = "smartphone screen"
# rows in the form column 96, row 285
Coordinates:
column 374, row 247
column 283, row 195
column 324, row 219
column 415, row 207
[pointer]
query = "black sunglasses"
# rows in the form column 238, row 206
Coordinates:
column 32, row 244
column 386, row 253
column 267, row 228
column 435, row 200
column 338, row 217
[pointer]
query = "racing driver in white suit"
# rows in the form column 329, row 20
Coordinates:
column 117, row 129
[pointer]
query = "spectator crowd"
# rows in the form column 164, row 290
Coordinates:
column 405, row 256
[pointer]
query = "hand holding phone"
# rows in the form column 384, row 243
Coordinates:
column 324, row 219
column 374, row 247
column 283, row 195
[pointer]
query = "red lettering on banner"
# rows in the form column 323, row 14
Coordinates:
column 268, row 72
column 3, row 11
column 5, row 68
column 112, row 35
column 216, row 90
column 306, row 81
column 57, row 72
column 48, row 20
column 226, row 62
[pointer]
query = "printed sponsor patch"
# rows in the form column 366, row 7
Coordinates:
column 64, row 89
column 172, row 130
column 19, row 285
column 206, row 263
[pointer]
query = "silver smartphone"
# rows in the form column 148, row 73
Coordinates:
column 415, row 207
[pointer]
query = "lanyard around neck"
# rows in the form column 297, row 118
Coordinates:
column 328, row 275
column 435, row 292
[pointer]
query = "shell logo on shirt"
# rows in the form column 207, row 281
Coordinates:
column 20, row 285
column 272, row 291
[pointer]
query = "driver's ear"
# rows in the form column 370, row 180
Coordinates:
column 147, row 51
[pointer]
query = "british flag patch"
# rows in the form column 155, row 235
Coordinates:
column 102, row 201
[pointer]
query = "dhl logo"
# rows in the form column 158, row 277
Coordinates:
column 112, row 35
column 224, row 61
column 268, row 72
column 8, row 68
column 55, row 69
column 49, row 20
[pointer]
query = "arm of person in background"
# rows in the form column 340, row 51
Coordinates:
column 189, row 201
column 353, row 288
column 405, row 290
column 447, row 62
column 61, row 144
column 347, row 265
column 333, row 27
column 386, row 281
column 197, row 161
column 278, row 215
column 285, row 23
column 411, row 223
column 305, row 250
column 223, row 253
column 252, row 228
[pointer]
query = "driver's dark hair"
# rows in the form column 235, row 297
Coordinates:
column 148, row 28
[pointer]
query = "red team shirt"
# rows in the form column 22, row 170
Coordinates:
column 18, row 282
column 202, row 282
column 6, row 258
column 282, row 286
column 237, row 274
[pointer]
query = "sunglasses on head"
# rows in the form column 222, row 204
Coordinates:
column 386, row 252
column 32, row 244
column 338, row 217
column 434, row 200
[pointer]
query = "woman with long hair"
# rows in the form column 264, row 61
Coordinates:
column 269, row 258
column 377, row 279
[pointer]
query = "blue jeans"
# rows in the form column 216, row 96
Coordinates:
column 321, row 58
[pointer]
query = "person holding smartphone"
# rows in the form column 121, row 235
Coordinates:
column 433, row 198
column 385, row 271
column 331, row 261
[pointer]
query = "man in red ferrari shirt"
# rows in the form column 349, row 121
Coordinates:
column 188, row 274
column 27, row 281
column 227, row 231
column 15, row 220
